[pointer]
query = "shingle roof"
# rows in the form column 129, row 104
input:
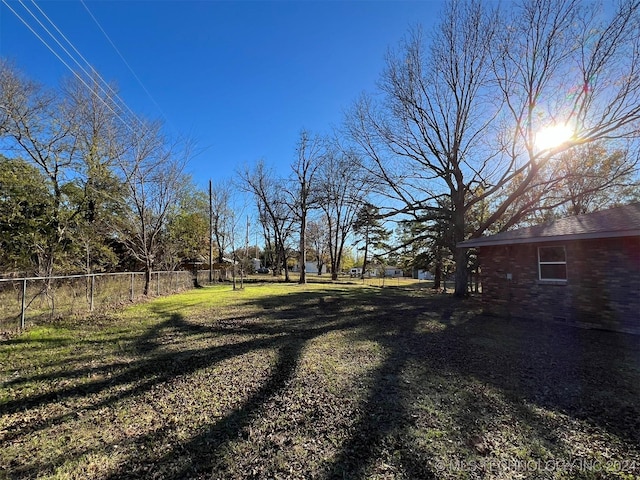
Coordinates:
column 623, row 221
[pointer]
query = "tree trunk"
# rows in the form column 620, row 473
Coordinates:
column 437, row 277
column 303, row 253
column 332, row 258
column 147, row 279
column 364, row 259
column 277, row 264
column 284, row 264
column 460, row 254
column 461, row 273
column 461, row 257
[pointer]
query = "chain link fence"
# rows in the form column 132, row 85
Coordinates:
column 30, row 300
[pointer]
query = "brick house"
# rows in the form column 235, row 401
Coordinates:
column 582, row 270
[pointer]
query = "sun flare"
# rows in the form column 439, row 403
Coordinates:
column 553, row 136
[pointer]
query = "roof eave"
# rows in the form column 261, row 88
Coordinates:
column 480, row 242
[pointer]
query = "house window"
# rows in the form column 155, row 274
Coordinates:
column 552, row 263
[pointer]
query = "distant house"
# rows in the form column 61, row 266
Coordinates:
column 582, row 270
column 393, row 271
column 422, row 274
column 256, row 264
column 372, row 271
column 310, row 268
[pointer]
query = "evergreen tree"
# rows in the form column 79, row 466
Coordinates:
column 369, row 227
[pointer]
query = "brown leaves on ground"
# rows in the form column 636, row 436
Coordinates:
column 330, row 382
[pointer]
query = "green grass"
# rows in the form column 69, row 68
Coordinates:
column 70, row 297
column 319, row 381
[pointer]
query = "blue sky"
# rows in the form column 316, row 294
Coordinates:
column 240, row 78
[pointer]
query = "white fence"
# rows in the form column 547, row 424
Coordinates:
column 27, row 300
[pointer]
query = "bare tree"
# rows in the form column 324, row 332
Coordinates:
column 341, row 194
column 10, row 83
column 317, row 242
column 221, row 217
column 569, row 65
column 584, row 179
column 153, row 175
column 461, row 120
column 274, row 212
column 302, row 195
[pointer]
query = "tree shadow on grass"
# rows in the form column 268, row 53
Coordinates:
column 156, row 366
column 381, row 422
column 197, row 456
column 585, row 374
column 502, row 370
column 486, row 376
column 380, row 431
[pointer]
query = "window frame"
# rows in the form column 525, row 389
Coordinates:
column 541, row 263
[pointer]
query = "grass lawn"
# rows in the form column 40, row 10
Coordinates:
column 321, row 381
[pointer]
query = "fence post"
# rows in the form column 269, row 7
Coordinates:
column 131, row 289
column 158, row 284
column 93, row 282
column 23, row 308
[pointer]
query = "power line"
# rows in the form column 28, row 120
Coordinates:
column 123, row 59
column 89, row 75
column 69, row 67
column 113, row 94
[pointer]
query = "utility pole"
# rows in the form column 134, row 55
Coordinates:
column 210, row 234
column 233, row 246
column 243, row 263
column 246, row 250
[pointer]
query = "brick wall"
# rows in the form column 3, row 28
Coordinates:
column 602, row 288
